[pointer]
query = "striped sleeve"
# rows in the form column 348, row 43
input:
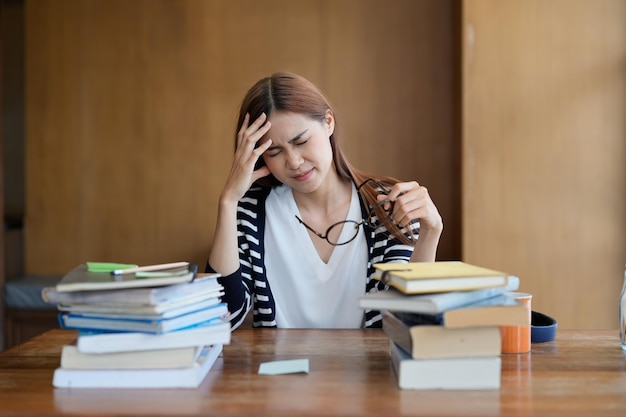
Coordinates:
column 384, row 248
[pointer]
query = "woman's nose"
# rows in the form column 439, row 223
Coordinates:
column 294, row 159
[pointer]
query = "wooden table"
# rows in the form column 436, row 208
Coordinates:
column 582, row 373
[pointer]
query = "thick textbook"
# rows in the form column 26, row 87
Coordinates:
column 448, row 373
column 85, row 321
column 433, row 341
column 190, row 377
column 428, row 277
column 185, row 357
column 204, row 283
column 433, row 303
column 82, row 279
column 502, row 310
column 206, row 333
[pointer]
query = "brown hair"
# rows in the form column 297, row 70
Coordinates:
column 287, row 92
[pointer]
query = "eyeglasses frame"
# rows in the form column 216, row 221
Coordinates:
column 367, row 220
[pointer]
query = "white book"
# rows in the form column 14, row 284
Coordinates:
column 189, row 377
column 206, row 333
column 433, row 303
column 467, row 373
column 156, row 312
column 203, row 283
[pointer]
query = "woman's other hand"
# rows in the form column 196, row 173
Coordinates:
column 412, row 202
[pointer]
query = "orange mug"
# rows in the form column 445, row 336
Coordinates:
column 516, row 339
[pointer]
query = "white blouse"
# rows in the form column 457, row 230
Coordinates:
column 308, row 292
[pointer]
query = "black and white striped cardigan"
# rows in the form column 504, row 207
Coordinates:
column 249, row 288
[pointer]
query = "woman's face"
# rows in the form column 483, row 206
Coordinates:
column 300, row 155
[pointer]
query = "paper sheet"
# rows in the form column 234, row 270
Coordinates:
column 293, row 366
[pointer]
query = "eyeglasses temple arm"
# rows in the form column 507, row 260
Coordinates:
column 307, row 226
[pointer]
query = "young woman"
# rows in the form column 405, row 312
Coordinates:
column 299, row 228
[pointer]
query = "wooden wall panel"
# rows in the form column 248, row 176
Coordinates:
column 392, row 70
column 131, row 109
column 544, row 184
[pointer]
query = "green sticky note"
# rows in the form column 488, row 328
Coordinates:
column 107, row 266
column 293, row 366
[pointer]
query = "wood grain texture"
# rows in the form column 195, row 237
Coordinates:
column 544, row 190
column 131, row 109
column 350, row 374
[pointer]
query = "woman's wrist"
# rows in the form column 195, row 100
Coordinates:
column 432, row 228
column 430, row 236
column 227, row 203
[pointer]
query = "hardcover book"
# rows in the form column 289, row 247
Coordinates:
column 433, row 341
column 429, row 277
column 502, row 310
column 433, row 303
column 184, row 357
column 82, row 279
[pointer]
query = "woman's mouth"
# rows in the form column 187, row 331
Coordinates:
column 304, row 176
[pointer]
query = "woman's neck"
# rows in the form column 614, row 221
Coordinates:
column 334, row 194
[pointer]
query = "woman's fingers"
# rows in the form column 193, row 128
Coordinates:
column 412, row 202
column 242, row 173
column 258, row 151
column 248, row 149
column 242, row 128
column 249, row 135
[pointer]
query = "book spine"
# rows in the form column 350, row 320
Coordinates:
column 416, row 319
column 397, row 331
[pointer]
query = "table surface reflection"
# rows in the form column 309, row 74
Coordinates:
column 581, row 373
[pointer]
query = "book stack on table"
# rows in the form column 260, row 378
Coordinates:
column 161, row 326
column 443, row 321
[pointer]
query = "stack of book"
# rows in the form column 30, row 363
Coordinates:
column 443, row 321
column 160, row 326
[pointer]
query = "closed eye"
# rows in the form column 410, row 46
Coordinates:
column 271, row 152
column 297, row 140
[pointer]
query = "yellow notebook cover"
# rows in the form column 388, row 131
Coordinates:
column 424, row 277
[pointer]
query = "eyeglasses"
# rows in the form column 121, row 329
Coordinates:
column 333, row 234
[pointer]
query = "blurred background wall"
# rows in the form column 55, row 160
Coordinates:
column 511, row 113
